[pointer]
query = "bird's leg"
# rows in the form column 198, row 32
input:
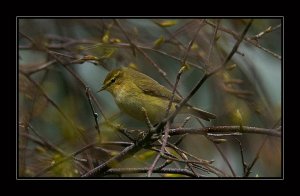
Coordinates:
column 151, row 129
column 148, row 122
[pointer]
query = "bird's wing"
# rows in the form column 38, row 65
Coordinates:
column 157, row 90
column 153, row 88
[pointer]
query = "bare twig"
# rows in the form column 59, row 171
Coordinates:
column 87, row 92
column 68, row 119
column 225, row 159
column 133, row 47
column 227, row 129
column 163, row 73
column 167, row 128
column 181, row 29
column 99, row 170
column 212, row 42
column 65, row 159
column 48, row 144
column 162, row 149
column 36, row 68
column 155, row 170
column 204, row 163
column 151, row 168
column 266, row 31
column 244, row 164
column 248, row 170
column 207, row 75
column 253, row 42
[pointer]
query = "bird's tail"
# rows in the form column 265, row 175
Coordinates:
column 198, row 113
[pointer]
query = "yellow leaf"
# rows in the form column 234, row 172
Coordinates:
column 231, row 67
column 133, row 66
column 173, row 175
column 238, row 117
column 40, row 149
column 184, row 67
column 115, row 40
column 105, row 38
column 194, row 46
column 159, row 41
column 146, row 155
column 167, row 23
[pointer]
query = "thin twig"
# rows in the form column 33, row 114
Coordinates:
column 126, row 153
column 162, row 72
column 266, row 31
column 225, row 159
column 155, row 170
column 227, row 129
column 244, row 164
column 48, row 144
column 248, row 171
column 162, row 149
column 68, row 119
column 204, row 163
column 208, row 74
column 87, row 92
column 212, row 41
column 167, row 128
column 151, row 168
column 133, row 47
column 36, row 68
column 65, row 159
column 247, row 39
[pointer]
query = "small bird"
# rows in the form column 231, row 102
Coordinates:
column 135, row 93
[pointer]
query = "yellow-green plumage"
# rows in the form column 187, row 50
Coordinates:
column 134, row 90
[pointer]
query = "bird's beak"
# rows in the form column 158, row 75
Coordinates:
column 102, row 88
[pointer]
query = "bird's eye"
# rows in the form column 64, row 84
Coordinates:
column 113, row 80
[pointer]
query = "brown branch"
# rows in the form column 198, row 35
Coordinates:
column 99, row 170
column 242, row 157
column 247, row 39
column 155, row 170
column 48, row 144
column 225, row 159
column 212, row 42
column 126, row 153
column 266, row 31
column 68, row 119
column 204, row 163
column 162, row 72
column 167, row 128
column 65, row 159
column 228, row 130
column 87, row 92
column 162, row 149
column 53, row 55
column 248, row 169
column 132, row 45
column 207, row 75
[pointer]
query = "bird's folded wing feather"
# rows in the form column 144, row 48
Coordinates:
column 153, row 88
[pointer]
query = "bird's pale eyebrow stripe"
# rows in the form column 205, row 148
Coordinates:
column 114, row 77
column 117, row 74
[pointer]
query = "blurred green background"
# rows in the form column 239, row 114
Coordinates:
column 247, row 92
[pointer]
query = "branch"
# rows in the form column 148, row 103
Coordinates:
column 65, row 159
column 247, row 39
column 87, row 92
column 155, row 170
column 228, row 130
column 126, row 153
column 248, row 169
column 207, row 75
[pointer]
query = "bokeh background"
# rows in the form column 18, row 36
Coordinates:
column 55, row 118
